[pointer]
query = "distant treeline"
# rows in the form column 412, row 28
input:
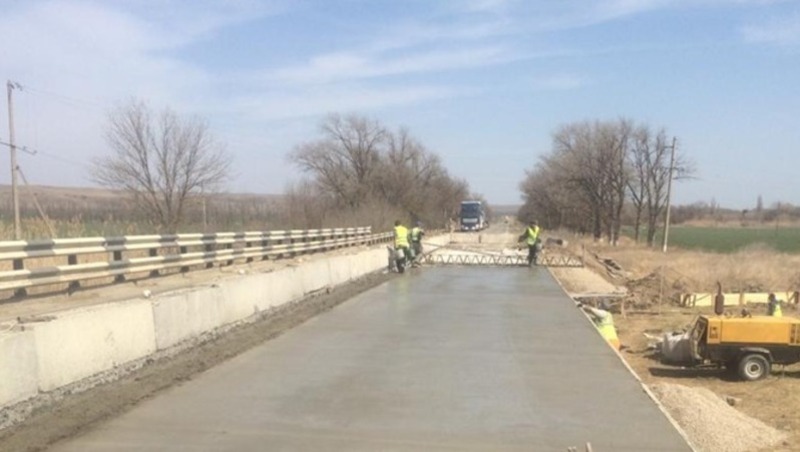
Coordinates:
column 702, row 211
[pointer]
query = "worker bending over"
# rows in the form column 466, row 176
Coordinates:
column 401, row 240
column 604, row 321
column 416, row 241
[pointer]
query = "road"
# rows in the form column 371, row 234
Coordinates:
column 438, row 359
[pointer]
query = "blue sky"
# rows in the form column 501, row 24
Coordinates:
column 483, row 83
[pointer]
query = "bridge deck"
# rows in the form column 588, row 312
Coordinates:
column 438, row 359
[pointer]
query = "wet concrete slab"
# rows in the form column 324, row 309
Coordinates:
column 438, row 359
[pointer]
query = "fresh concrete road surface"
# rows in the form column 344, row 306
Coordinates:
column 439, row 359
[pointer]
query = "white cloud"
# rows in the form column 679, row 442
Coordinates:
column 351, row 66
column 486, row 6
column 409, row 35
column 559, row 82
column 780, row 31
column 320, row 100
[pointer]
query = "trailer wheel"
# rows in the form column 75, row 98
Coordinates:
column 753, row 367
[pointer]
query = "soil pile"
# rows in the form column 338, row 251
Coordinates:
column 712, row 424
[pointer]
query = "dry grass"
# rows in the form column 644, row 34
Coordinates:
column 754, row 269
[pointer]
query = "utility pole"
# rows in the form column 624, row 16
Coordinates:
column 14, row 194
column 669, row 193
column 205, row 217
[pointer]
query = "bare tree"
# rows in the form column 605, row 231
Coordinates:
column 409, row 174
column 593, row 170
column 161, row 160
column 550, row 197
column 363, row 170
column 581, row 156
column 613, row 141
column 343, row 161
column 656, row 173
column 638, row 185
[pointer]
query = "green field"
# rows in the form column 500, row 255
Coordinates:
column 731, row 239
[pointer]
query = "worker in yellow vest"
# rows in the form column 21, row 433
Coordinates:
column 774, row 306
column 604, row 321
column 416, row 240
column 401, row 245
column 531, row 238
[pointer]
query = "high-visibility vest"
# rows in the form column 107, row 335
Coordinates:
column 533, row 233
column 400, row 236
column 416, row 233
column 606, row 327
column 777, row 312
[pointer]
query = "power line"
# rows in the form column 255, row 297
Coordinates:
column 39, row 152
column 63, row 160
column 72, row 101
column 24, row 149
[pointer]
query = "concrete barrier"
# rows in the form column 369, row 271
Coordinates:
column 184, row 314
column 18, row 367
column 83, row 342
column 315, row 275
column 282, row 287
column 341, row 270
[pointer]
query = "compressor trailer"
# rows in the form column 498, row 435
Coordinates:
column 748, row 345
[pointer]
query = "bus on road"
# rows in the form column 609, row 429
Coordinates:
column 472, row 216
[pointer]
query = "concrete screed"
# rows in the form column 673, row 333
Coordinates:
column 438, row 359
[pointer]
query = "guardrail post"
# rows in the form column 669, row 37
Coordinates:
column 229, row 246
column 72, row 259
column 153, row 252
column 19, row 265
column 208, row 249
column 117, row 258
column 247, row 245
column 183, row 250
column 264, row 244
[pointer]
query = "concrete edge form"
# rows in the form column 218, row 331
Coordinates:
column 74, row 345
column 644, row 387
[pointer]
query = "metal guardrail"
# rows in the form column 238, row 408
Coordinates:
column 499, row 260
column 163, row 252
